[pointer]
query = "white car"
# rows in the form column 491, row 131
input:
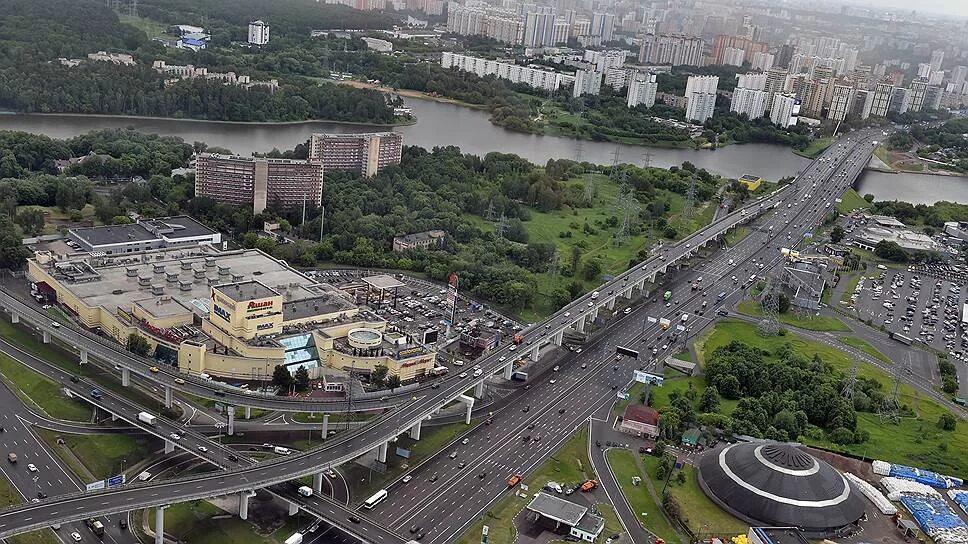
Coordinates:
column 75, row 536
column 556, row 368
column 465, row 441
column 462, row 375
column 203, row 449
column 552, row 381
column 32, row 467
column 502, row 358
column 406, row 478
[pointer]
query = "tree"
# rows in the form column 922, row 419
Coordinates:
column 592, row 269
column 393, row 382
column 301, row 379
column 783, row 303
column 281, row 378
column 659, row 448
column 31, row 220
column 891, row 251
column 869, row 197
column 379, row 375
column 709, row 401
column 836, row 234
column 138, row 345
column 947, row 422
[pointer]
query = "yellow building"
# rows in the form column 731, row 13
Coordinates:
column 751, row 182
column 226, row 313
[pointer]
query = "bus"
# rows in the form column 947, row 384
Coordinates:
column 901, row 338
column 376, row 499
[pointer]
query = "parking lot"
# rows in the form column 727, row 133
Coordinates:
column 921, row 303
column 421, row 306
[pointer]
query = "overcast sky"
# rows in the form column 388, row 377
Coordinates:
column 955, row 7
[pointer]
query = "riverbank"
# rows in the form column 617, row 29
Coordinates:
column 889, row 161
column 407, row 122
column 410, row 93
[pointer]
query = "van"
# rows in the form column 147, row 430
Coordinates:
column 12, row 457
column 721, row 296
column 305, row 491
column 282, row 451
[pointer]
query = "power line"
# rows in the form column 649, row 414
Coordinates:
column 769, row 325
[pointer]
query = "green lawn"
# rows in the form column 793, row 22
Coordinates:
column 734, row 236
column 200, row 522
column 815, row 148
column 44, row 394
column 881, row 153
column 55, row 354
column 101, row 454
column 9, row 497
column 852, row 279
column 810, row 322
column 623, row 466
column 151, row 28
column 569, row 465
column 699, row 513
column 866, row 347
column 917, row 441
column 851, row 201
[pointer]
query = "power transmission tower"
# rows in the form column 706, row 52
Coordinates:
column 587, row 179
column 502, row 226
column 630, row 207
column 850, row 381
column 489, row 214
column 891, row 409
column 133, row 8
column 646, row 159
column 690, row 203
column 555, row 267
column 614, row 175
column 769, row 325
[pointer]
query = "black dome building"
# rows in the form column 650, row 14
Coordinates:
column 779, row 485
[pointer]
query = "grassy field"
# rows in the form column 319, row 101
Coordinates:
column 42, row 393
column 200, row 522
column 815, row 148
column 151, row 28
column 100, row 454
column 700, row 514
column 882, row 153
column 569, row 465
column 915, row 441
column 623, row 466
column 809, row 322
column 734, row 236
column 54, row 354
column 9, row 497
column 851, row 201
column 866, row 347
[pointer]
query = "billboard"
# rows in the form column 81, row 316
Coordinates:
column 430, row 336
column 115, row 481
column 94, row 486
column 403, row 453
column 645, row 377
column 622, row 395
column 622, row 350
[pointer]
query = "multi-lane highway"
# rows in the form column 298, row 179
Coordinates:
column 351, row 444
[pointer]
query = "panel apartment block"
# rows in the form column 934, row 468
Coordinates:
column 255, row 181
column 367, row 153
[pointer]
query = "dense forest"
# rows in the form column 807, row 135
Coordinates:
column 437, row 189
column 31, row 79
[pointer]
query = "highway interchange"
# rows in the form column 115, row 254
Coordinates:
column 497, row 450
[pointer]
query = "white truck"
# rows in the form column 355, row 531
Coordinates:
column 296, row 538
column 685, row 317
column 145, row 417
column 305, row 491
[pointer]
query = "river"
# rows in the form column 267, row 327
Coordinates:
column 449, row 124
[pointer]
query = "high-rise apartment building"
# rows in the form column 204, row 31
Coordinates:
column 932, row 97
column 937, row 58
column 733, row 56
column 900, row 100
column 761, row 61
column 863, row 100
column 958, row 74
column 559, row 31
column 916, row 100
column 776, row 82
column 258, row 33
column 841, row 102
column 539, row 79
column 366, row 153
column 257, row 181
column 756, row 82
column 587, row 81
column 881, row 99
column 538, row 29
column 701, row 97
column 784, row 110
column 671, row 49
column 603, row 25
column 749, row 102
column 723, row 41
column 603, row 60
column 785, row 55
column 642, row 90
column 464, row 21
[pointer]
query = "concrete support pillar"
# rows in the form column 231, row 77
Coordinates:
column 557, row 339
column 169, row 446
column 168, row 396
column 248, row 412
column 594, row 314
column 479, row 390
column 628, row 293
column 230, row 410
column 83, row 357
column 293, row 509
column 318, row 483
column 508, row 371
column 46, row 337
column 114, row 417
column 653, row 277
column 244, row 505
column 381, row 453
column 641, row 285
column 415, row 430
column 535, row 353
column 469, row 401
column 325, row 425
column 580, row 324
column 160, row 525
column 125, row 376
column 14, row 318
column 610, row 305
